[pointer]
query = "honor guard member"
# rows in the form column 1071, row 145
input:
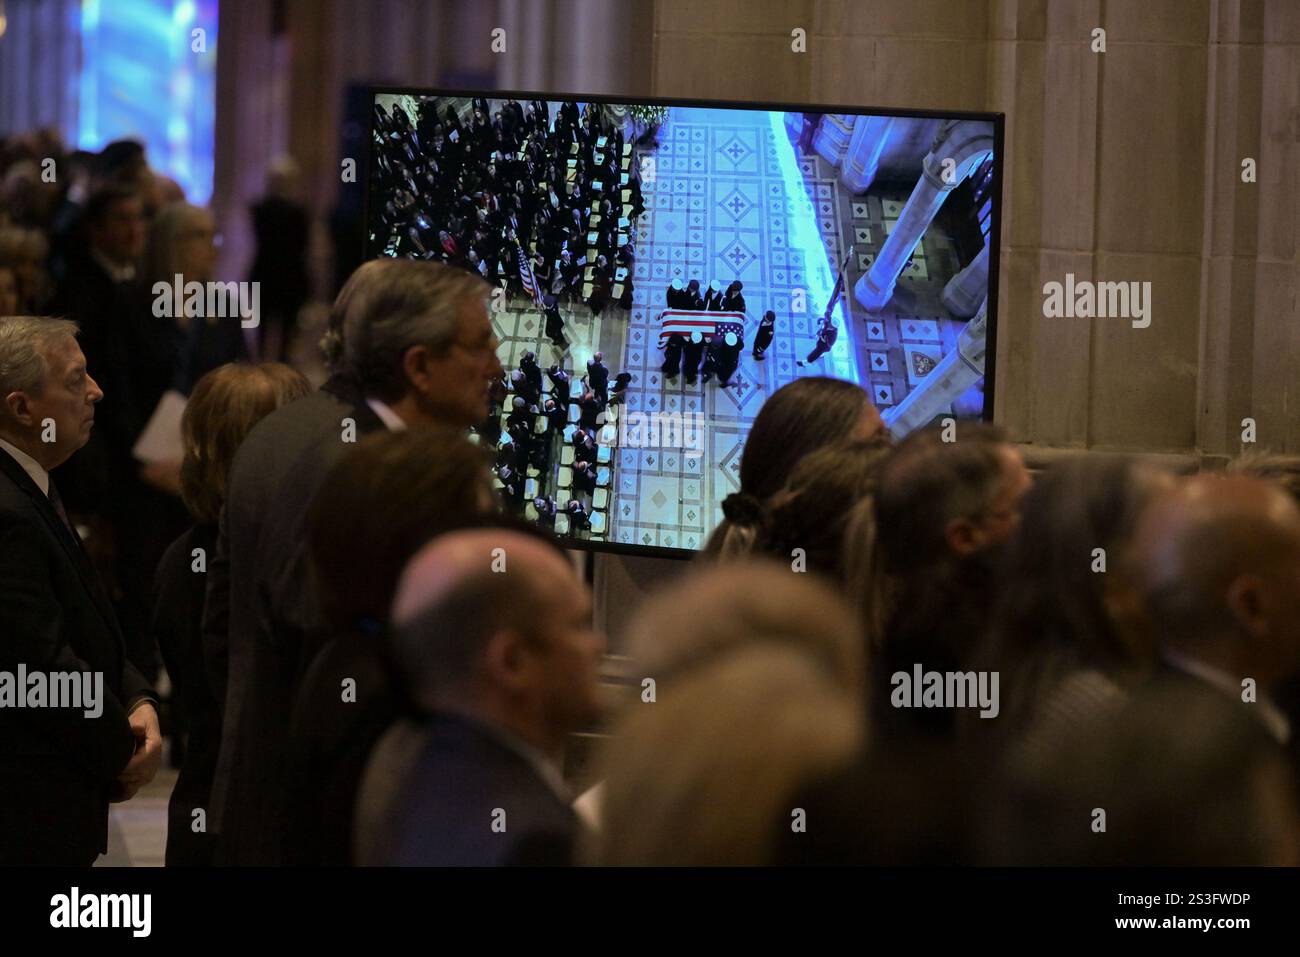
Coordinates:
column 692, row 353
column 729, row 357
column 766, row 330
column 826, row 336
column 713, row 298
column 733, row 301
column 673, row 355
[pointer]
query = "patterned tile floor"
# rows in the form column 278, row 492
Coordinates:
column 732, row 198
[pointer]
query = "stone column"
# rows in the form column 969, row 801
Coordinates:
column 955, row 373
column 958, row 149
column 966, row 290
column 833, row 135
column 863, row 154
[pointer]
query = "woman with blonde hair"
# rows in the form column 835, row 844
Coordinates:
column 223, row 408
column 751, row 685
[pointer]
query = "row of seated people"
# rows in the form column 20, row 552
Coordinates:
column 553, row 450
column 522, row 200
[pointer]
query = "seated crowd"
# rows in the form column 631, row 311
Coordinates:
column 381, row 665
column 540, row 205
column 553, row 458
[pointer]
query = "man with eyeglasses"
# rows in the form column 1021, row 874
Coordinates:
column 410, row 345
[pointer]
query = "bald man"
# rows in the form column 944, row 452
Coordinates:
column 1219, row 570
column 495, row 646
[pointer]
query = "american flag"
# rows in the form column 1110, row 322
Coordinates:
column 526, row 276
column 709, row 323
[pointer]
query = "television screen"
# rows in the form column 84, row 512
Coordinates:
column 659, row 268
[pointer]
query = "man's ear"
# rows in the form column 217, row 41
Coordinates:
column 505, row 660
column 19, row 408
column 416, row 365
column 963, row 537
column 1248, row 605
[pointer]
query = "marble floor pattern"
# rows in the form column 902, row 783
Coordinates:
column 900, row 344
column 732, row 198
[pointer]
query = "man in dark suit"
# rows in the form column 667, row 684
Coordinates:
column 410, row 345
column 60, row 765
column 136, row 355
column 559, row 384
column 557, row 417
column 1218, row 561
column 503, row 665
column 598, row 377
column 591, row 408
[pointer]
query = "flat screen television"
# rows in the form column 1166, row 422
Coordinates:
column 659, row 235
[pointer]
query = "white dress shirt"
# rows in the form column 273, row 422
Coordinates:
column 1273, row 719
column 116, row 272
column 391, row 419
column 30, row 466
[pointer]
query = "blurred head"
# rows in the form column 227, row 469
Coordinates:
column 1284, row 470
column 123, row 161
column 495, row 623
column 25, row 251
column 282, row 178
column 814, row 510
column 1218, row 562
column 942, row 501
column 418, row 334
column 222, row 409
column 382, row 502
column 758, row 682
column 182, row 240
column 115, row 223
column 1184, row 773
column 1067, row 605
column 797, row 419
column 9, row 298
column 47, row 397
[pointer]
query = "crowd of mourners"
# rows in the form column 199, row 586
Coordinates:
column 465, row 184
column 893, row 650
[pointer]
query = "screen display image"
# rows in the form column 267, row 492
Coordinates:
column 660, row 268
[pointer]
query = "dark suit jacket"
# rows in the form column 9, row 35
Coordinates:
column 443, row 812
column 262, row 616
column 330, row 740
column 57, row 766
column 177, row 620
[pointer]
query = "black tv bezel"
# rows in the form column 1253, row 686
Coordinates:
column 995, row 236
